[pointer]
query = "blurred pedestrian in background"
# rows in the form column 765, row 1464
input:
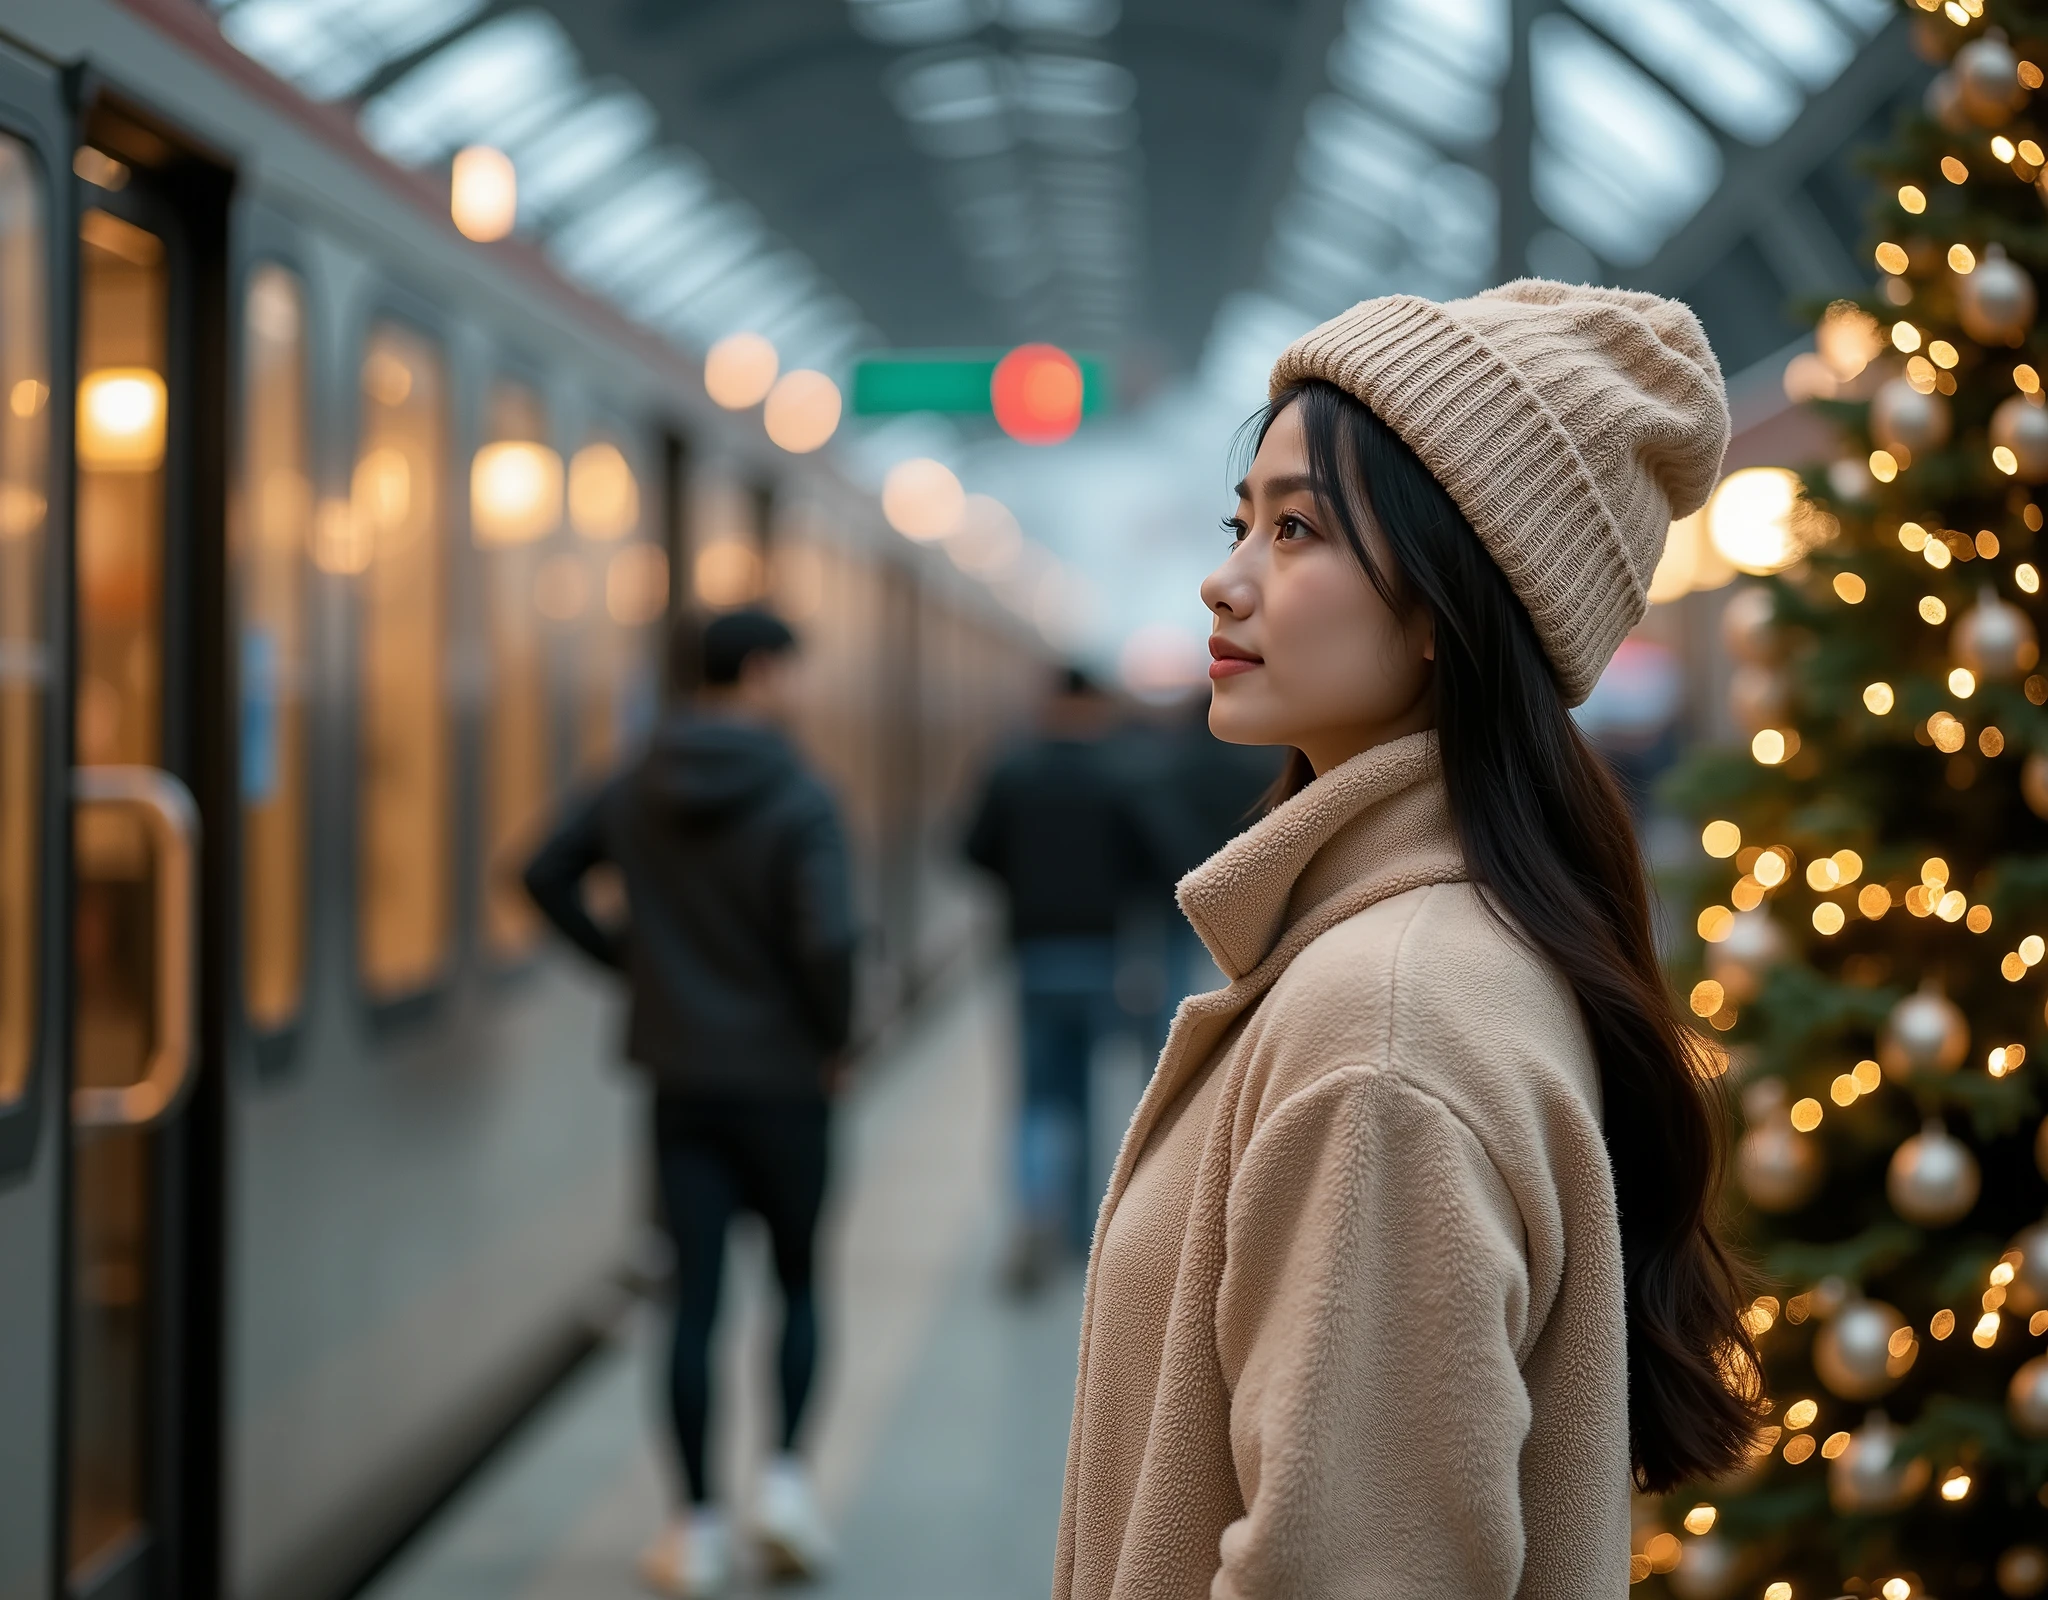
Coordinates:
column 1057, row 825
column 739, row 950
column 1193, row 794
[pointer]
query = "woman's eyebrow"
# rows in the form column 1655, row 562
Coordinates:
column 1292, row 483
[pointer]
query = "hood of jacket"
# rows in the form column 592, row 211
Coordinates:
column 707, row 768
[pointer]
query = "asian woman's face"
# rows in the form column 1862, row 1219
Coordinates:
column 1303, row 651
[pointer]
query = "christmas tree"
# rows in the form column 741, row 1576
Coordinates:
column 1873, row 895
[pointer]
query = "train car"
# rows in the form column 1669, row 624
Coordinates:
column 334, row 551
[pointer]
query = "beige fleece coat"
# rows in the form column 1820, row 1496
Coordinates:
column 1354, row 1319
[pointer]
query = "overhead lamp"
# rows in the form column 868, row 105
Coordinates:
column 483, row 193
column 604, row 497
column 987, row 539
column 801, row 411
column 1761, row 522
column 739, row 370
column 515, row 492
column 121, row 420
column 922, row 499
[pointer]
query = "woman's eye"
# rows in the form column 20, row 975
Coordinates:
column 1235, row 528
column 1291, row 527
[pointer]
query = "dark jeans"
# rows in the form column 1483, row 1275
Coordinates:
column 1067, row 1004
column 715, row 1156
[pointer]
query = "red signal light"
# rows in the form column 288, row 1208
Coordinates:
column 1036, row 394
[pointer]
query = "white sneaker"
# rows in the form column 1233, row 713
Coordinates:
column 793, row 1535
column 690, row 1558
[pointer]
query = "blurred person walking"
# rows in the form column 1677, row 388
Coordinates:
column 739, row 951
column 1056, row 826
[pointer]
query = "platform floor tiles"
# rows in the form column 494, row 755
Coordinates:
column 939, row 1431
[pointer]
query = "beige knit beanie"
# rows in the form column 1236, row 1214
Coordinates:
column 1569, row 424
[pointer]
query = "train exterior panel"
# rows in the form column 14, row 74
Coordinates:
column 301, row 1294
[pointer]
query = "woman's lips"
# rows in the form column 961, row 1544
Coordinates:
column 1228, row 660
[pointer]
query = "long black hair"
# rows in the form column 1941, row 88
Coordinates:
column 1546, row 834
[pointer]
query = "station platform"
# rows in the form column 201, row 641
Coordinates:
column 938, row 1434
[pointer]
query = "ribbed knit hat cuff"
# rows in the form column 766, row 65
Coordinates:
column 1503, row 456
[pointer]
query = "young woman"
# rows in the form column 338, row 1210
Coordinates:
column 1406, row 1269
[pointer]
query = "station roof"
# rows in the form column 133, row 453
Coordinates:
column 1152, row 177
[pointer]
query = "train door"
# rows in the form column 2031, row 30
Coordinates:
column 142, row 1340
column 34, row 249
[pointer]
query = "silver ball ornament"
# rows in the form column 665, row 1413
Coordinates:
column 1759, row 697
column 2022, row 427
column 1853, row 1354
column 1933, row 1178
column 1868, row 1479
column 1987, row 75
column 1996, row 302
column 1707, row 1569
column 1944, row 103
column 1738, row 963
column 1748, row 627
column 2028, row 1291
column 1778, row 1167
column 2023, row 1571
column 2034, row 790
column 1995, row 640
column 1904, row 419
column 2026, row 1398
column 1924, row 1033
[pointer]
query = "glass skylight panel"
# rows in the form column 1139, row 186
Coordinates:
column 1800, row 34
column 330, row 48
column 599, row 244
column 1341, row 137
column 920, row 21
column 1589, row 206
column 1470, row 34
column 1599, row 112
column 457, row 94
column 1867, row 15
column 597, row 137
column 1454, row 226
column 1738, row 88
column 1386, row 69
column 1075, row 86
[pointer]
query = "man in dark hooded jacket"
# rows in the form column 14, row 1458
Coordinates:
column 739, row 949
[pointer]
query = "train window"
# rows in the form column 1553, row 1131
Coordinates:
column 604, row 509
column 515, row 503
column 271, row 528
column 24, row 465
column 398, row 505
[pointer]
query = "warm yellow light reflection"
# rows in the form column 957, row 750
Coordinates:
column 483, row 193
column 604, row 497
column 1721, row 839
column 1761, row 523
column 121, row 420
column 636, row 585
column 802, row 411
column 1700, row 1519
column 515, row 492
column 739, row 370
column 922, row 499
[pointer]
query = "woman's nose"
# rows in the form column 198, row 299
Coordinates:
column 1228, row 591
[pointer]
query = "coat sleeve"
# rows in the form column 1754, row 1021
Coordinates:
column 554, row 877
column 821, row 923
column 1373, row 1301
